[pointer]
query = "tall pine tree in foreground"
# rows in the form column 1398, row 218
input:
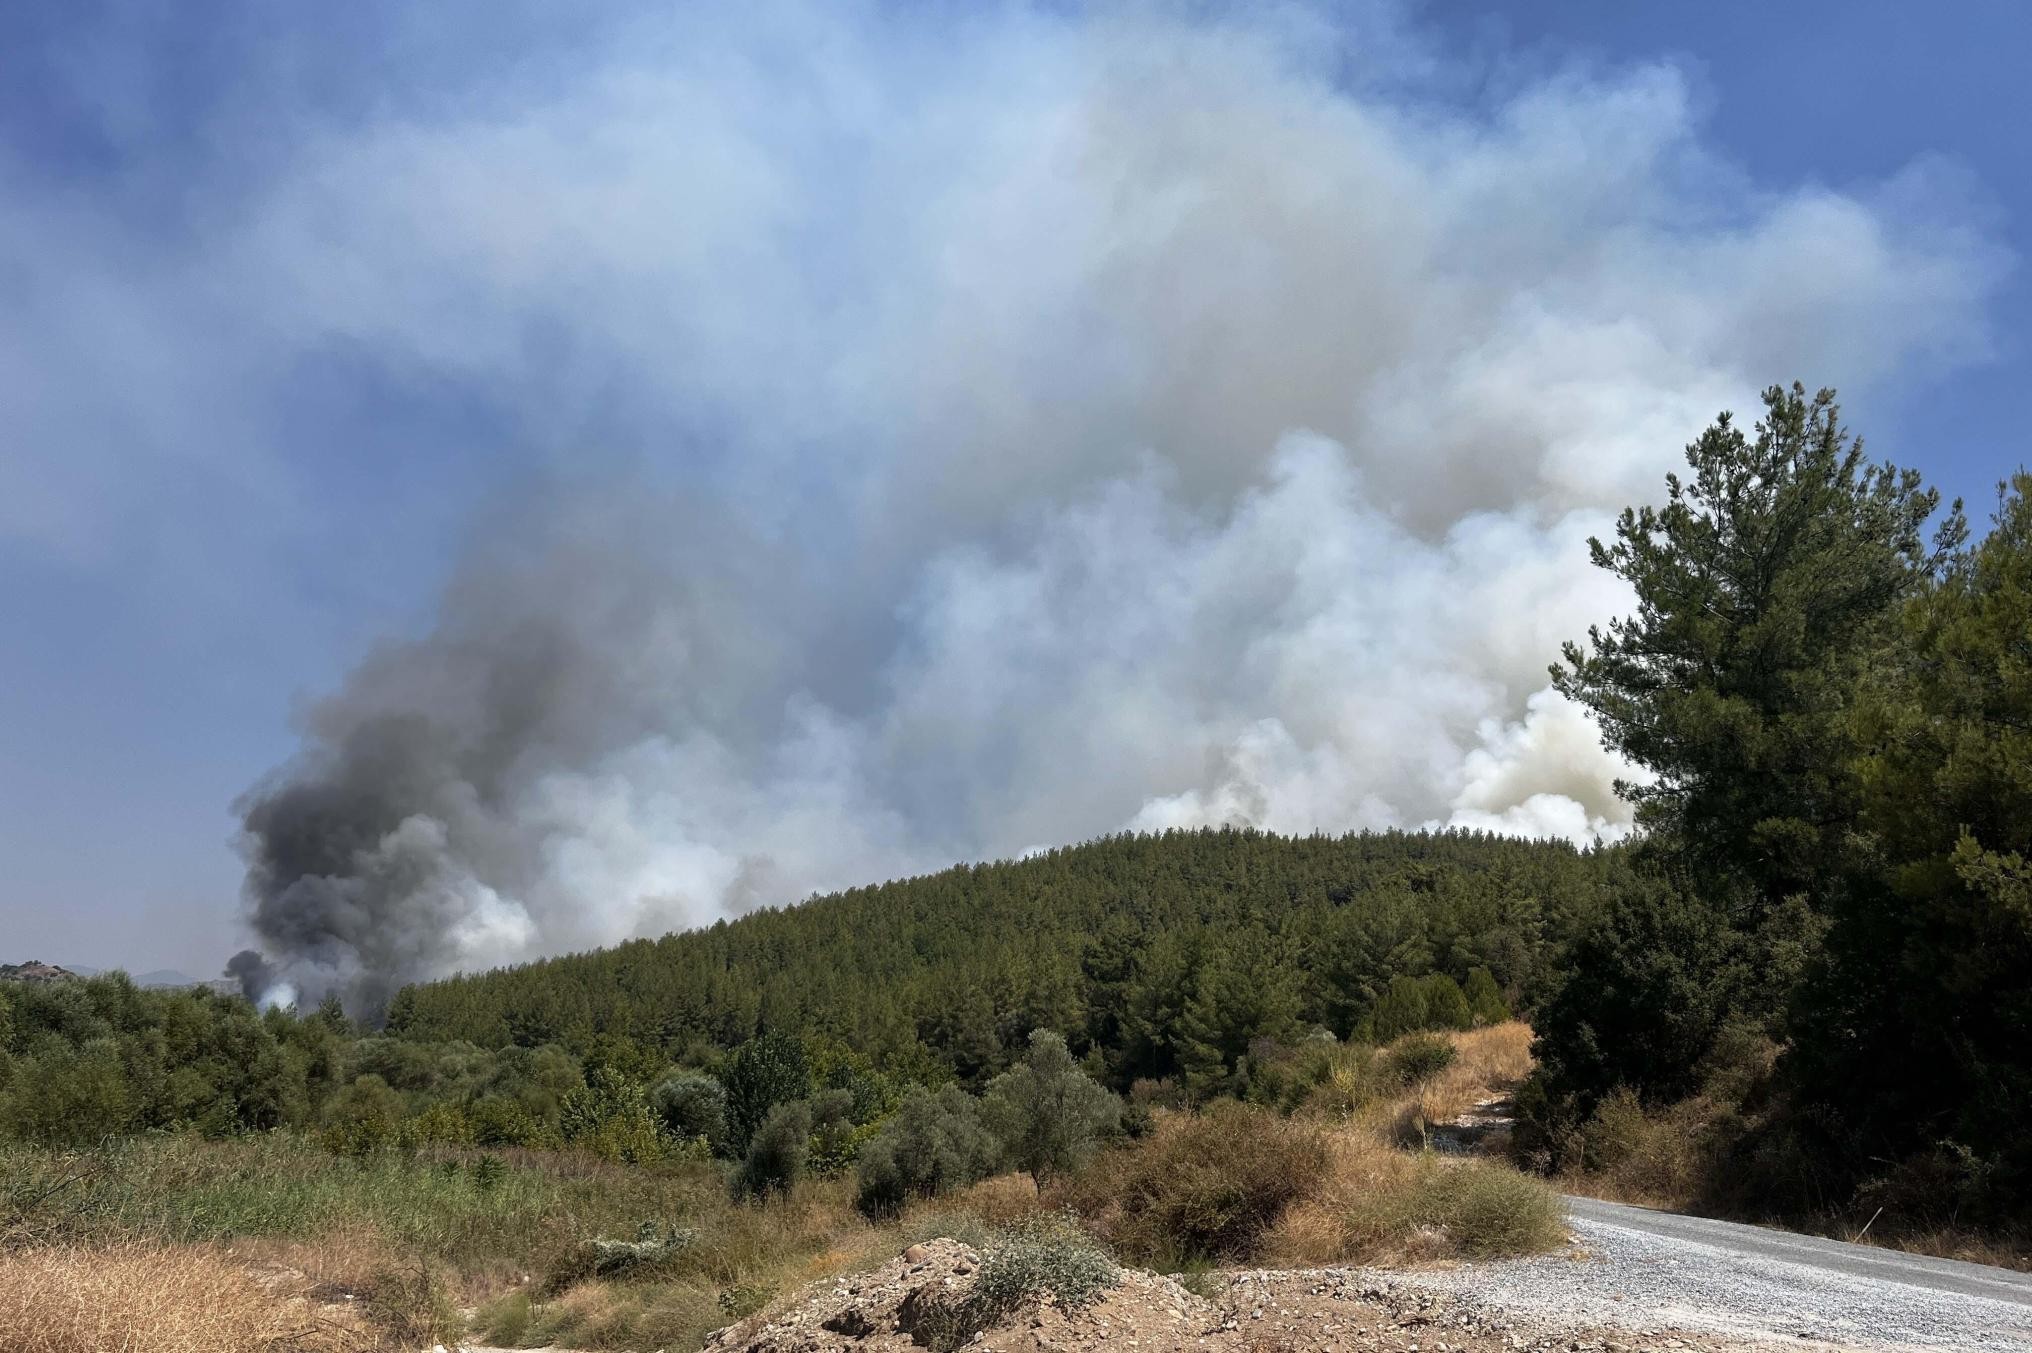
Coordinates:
column 1766, row 586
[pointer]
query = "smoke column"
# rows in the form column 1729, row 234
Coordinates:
column 1032, row 428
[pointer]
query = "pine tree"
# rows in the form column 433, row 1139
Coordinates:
column 1764, row 586
column 762, row 1073
column 1485, row 998
column 1917, row 1026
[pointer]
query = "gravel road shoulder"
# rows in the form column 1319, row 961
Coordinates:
column 1651, row 1273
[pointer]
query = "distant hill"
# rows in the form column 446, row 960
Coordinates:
column 35, row 971
column 1164, row 953
column 169, row 978
column 156, row 979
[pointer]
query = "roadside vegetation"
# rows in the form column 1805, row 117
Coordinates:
column 288, row 1243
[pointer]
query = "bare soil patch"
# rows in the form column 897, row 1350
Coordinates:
column 904, row 1306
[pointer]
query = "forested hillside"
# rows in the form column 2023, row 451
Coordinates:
column 1155, row 955
column 1187, row 960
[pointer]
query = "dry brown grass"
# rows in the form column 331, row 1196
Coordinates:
column 1376, row 1205
column 1243, row 1184
column 160, row 1299
column 1490, row 1062
column 999, row 1201
column 1204, row 1185
column 1313, row 1230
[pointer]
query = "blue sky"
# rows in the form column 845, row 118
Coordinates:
column 269, row 360
column 1841, row 93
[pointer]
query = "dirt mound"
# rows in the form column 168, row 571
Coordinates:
column 924, row 1300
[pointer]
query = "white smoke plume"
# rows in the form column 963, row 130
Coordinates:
column 1039, row 425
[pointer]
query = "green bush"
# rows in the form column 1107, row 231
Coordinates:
column 610, row 1117
column 1047, row 1112
column 1482, row 1210
column 1207, row 1186
column 1400, row 1010
column 1652, row 985
column 1485, row 998
column 935, row 1143
column 363, row 1117
column 776, row 1153
column 499, row 1121
column 1446, row 1006
column 835, row 1138
column 692, row 1104
column 1042, row 1256
column 444, row 1123
column 1488, row 1210
column 68, row 1096
column 1615, row 1131
column 1417, row 1058
column 762, row 1073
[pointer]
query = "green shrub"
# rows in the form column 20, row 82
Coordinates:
column 1485, row 998
column 776, row 1153
column 762, row 1073
column 499, row 1121
column 1043, row 1256
column 1047, row 1112
column 1446, row 1006
column 488, row 1172
column 1489, row 1210
column 1417, row 1058
column 610, row 1117
column 935, row 1143
column 1207, row 1186
column 1400, row 1010
column 441, row 1123
column 67, row 1095
column 363, row 1117
column 835, row 1138
column 692, row 1104
column 1351, row 1079
column 1481, row 1209
column 1615, row 1131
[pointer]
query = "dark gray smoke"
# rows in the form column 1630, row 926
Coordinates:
column 259, row 982
column 1083, row 424
column 405, row 840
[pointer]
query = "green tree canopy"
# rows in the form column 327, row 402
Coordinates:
column 1762, row 588
column 1917, row 1026
column 1049, row 1113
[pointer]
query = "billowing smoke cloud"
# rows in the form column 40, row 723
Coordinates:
column 1038, row 428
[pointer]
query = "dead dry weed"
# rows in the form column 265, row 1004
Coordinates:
column 162, row 1299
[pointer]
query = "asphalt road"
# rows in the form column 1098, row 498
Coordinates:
column 1853, row 1261
column 1659, row 1273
